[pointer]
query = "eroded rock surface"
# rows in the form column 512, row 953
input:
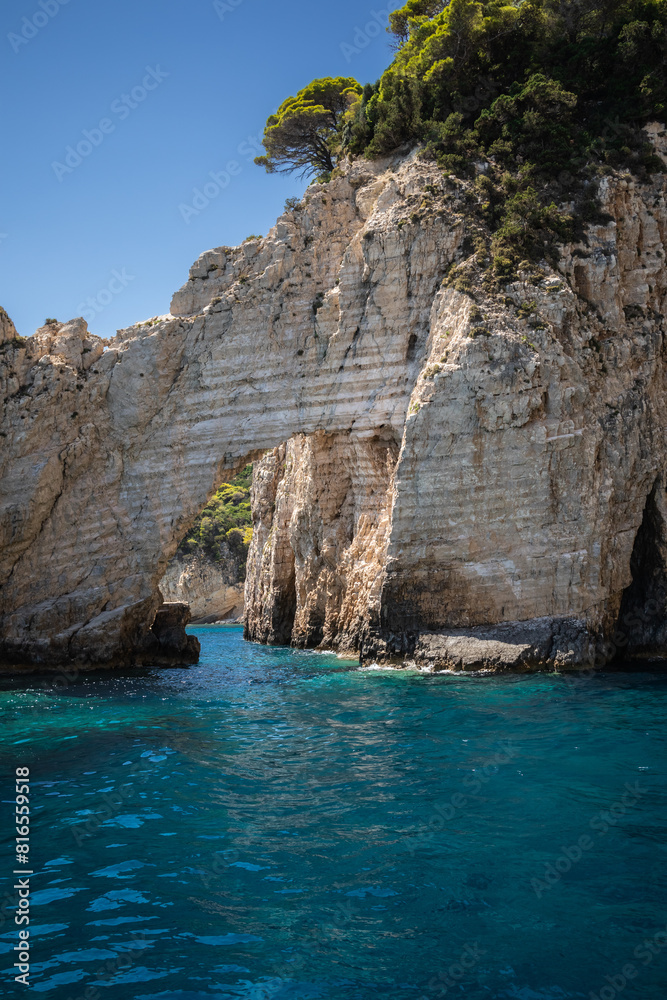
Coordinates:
column 321, row 520
column 171, row 643
column 213, row 590
column 449, row 464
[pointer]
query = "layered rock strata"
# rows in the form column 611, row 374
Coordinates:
column 321, row 506
column 455, row 459
column 213, row 590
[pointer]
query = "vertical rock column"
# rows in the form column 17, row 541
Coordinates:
column 321, row 508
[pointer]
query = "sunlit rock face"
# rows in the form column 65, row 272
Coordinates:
column 213, row 589
column 321, row 510
column 434, row 472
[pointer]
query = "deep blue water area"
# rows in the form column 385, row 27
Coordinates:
column 274, row 823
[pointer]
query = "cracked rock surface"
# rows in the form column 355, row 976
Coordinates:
column 431, row 463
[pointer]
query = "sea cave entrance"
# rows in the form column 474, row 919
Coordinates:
column 642, row 621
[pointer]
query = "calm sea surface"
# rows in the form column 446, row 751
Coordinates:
column 283, row 824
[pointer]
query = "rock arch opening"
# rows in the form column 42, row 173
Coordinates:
column 321, row 516
column 208, row 569
column 642, row 620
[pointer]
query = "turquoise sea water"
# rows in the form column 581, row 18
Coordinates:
column 282, row 824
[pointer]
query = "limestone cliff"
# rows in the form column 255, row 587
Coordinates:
column 213, row 589
column 321, row 512
column 455, row 459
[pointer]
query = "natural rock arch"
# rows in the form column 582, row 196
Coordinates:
column 113, row 449
column 517, row 459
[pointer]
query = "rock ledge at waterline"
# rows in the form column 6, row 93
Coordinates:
column 426, row 466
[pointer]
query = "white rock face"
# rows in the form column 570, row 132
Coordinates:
column 7, row 328
column 214, row 590
column 443, row 472
column 321, row 520
column 531, row 454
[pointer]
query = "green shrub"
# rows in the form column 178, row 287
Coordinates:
column 460, row 57
column 546, row 93
column 533, row 99
column 225, row 522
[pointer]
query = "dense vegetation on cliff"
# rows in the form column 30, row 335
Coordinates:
column 533, row 100
column 473, row 59
column 225, row 523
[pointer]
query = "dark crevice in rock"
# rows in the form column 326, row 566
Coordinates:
column 284, row 611
column 642, row 622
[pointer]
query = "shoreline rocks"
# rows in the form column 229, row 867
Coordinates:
column 442, row 458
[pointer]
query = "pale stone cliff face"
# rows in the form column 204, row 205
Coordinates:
column 447, row 467
column 321, row 519
column 214, row 590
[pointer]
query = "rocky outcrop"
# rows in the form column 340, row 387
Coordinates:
column 172, row 643
column 7, row 328
column 455, row 459
column 533, row 450
column 321, row 508
column 212, row 589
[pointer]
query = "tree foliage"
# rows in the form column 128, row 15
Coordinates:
column 459, row 57
column 546, row 93
column 531, row 99
column 400, row 20
column 304, row 133
column 225, row 524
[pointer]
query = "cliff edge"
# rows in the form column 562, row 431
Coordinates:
column 459, row 476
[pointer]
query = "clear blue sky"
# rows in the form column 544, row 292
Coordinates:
column 64, row 232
